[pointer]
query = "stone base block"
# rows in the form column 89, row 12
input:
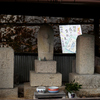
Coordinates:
column 95, row 92
column 87, row 81
column 45, row 66
column 9, row 93
column 43, row 79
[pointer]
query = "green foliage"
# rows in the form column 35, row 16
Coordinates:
column 73, row 86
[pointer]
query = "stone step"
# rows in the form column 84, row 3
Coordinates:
column 45, row 66
column 43, row 79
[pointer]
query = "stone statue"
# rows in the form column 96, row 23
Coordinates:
column 45, row 42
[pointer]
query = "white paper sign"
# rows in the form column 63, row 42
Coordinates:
column 68, row 35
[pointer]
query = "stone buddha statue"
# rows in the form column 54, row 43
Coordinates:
column 45, row 42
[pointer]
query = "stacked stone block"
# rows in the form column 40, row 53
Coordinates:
column 45, row 66
column 6, row 67
column 85, row 75
column 45, row 73
column 45, row 79
column 84, row 59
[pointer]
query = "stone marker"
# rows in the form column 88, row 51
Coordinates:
column 45, row 66
column 85, row 75
column 85, row 54
column 45, row 42
column 6, row 67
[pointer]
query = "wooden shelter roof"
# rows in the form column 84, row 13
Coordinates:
column 60, row 8
column 54, row 1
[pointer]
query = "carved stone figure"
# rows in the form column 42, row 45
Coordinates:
column 45, row 42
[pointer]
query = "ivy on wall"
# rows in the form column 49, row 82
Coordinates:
column 20, row 32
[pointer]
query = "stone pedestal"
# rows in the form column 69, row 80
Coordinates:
column 85, row 54
column 87, row 81
column 6, row 67
column 90, row 84
column 45, row 66
column 45, row 74
column 43, row 79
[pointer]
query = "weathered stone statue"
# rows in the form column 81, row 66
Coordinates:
column 45, row 42
column 45, row 67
